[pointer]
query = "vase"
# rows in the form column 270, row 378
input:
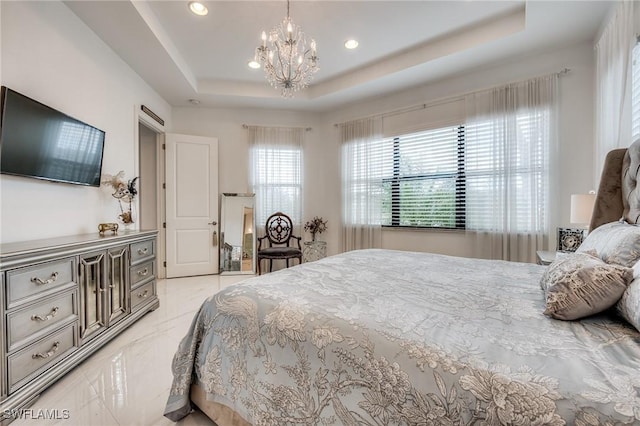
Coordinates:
column 126, row 217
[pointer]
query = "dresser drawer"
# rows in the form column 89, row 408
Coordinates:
column 142, row 294
column 144, row 250
column 25, row 324
column 142, row 273
column 40, row 355
column 24, row 283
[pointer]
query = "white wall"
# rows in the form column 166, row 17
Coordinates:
column 148, row 182
column 573, row 174
column 48, row 54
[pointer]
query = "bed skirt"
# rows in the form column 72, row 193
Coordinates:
column 219, row 413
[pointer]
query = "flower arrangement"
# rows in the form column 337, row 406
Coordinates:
column 124, row 191
column 316, row 226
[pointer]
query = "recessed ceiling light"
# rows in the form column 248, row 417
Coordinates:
column 198, row 8
column 194, row 101
column 254, row 64
column 351, row 44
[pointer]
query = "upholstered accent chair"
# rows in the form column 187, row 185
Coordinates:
column 278, row 236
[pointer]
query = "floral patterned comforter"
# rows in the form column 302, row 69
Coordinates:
column 377, row 337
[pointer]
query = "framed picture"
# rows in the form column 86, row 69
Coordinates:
column 569, row 239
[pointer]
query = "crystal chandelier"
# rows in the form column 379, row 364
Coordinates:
column 289, row 63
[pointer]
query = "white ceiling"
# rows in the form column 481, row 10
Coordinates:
column 402, row 43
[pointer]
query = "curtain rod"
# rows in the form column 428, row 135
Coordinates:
column 447, row 99
column 306, row 129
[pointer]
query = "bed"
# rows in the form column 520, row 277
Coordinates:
column 375, row 337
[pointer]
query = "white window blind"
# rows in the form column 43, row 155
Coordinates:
column 458, row 176
column 423, row 178
column 507, row 165
column 635, row 93
column 276, row 172
column 363, row 180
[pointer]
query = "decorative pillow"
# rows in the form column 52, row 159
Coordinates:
column 615, row 242
column 580, row 284
column 636, row 270
column 629, row 304
column 545, row 281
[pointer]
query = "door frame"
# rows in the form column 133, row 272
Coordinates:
column 143, row 119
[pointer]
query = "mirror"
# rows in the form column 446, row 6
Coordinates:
column 237, row 237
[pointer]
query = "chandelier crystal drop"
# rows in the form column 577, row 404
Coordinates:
column 288, row 60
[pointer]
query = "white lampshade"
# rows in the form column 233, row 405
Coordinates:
column 582, row 207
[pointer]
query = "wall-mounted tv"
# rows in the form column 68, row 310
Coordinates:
column 40, row 142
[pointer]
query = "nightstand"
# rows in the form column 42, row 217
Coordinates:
column 545, row 257
column 314, row 250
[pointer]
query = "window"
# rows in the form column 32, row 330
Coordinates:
column 513, row 171
column 459, row 177
column 445, row 178
column 276, row 172
column 424, row 179
column 277, row 184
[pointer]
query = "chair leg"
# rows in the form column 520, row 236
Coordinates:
column 270, row 265
column 287, row 262
column 259, row 272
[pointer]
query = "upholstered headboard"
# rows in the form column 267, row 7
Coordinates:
column 619, row 193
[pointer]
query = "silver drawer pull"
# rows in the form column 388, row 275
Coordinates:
column 143, row 295
column 45, row 355
column 143, row 250
column 37, row 280
column 101, row 290
column 52, row 314
column 144, row 272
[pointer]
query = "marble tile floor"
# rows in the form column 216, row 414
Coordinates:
column 127, row 381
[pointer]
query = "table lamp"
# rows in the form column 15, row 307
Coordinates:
column 569, row 239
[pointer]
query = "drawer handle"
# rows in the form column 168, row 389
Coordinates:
column 37, row 280
column 101, row 290
column 143, row 295
column 52, row 314
column 144, row 272
column 45, row 355
column 143, row 250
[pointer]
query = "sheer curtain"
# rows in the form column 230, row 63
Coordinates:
column 510, row 131
column 276, row 173
column 613, row 83
column 362, row 187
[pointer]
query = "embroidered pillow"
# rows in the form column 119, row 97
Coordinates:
column 545, row 281
column 629, row 305
column 615, row 242
column 580, row 284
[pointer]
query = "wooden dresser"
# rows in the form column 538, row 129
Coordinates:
column 61, row 299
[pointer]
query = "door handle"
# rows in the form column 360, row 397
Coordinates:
column 215, row 238
column 214, row 223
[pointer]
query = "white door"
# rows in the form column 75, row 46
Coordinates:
column 192, row 205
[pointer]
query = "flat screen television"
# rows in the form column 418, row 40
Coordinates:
column 40, row 142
